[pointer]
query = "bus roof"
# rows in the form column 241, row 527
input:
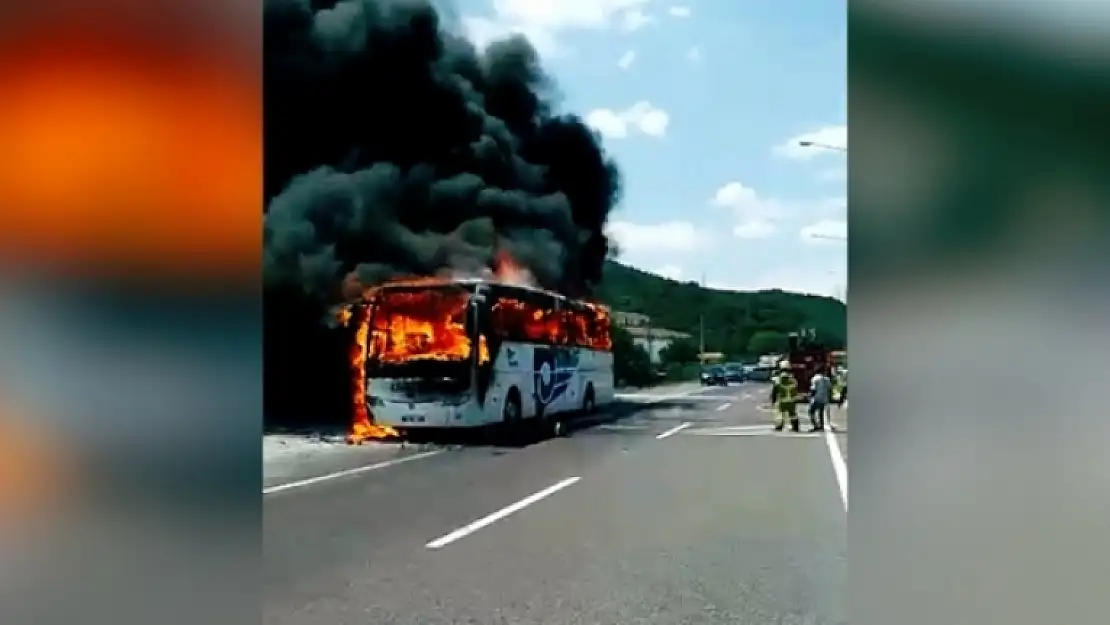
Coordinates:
column 435, row 282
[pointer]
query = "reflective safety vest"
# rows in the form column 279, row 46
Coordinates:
column 788, row 389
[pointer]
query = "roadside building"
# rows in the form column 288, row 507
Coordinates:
column 652, row 339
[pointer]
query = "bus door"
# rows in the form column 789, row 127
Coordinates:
column 480, row 333
column 582, row 358
column 551, row 362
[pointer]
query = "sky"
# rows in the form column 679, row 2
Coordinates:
column 702, row 104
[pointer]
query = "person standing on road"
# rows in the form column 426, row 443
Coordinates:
column 786, row 396
column 820, row 392
column 839, row 387
column 842, row 384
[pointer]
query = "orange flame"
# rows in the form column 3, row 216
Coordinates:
column 583, row 326
column 421, row 325
column 407, row 326
column 363, row 426
column 430, row 324
column 507, row 271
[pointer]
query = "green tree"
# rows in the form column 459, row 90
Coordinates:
column 732, row 318
column 631, row 363
column 767, row 342
column 679, row 351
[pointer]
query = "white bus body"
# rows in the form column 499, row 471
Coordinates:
column 547, row 379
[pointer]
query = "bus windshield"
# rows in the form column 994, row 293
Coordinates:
column 420, row 331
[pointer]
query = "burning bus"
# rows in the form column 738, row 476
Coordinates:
column 467, row 353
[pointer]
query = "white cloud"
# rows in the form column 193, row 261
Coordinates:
column 674, row 272
column 679, row 11
column 642, row 117
column 693, row 54
column 543, row 21
column 835, row 136
column 670, row 236
column 626, row 59
column 483, row 31
column 635, row 19
column 755, row 216
column 826, row 231
column 759, row 217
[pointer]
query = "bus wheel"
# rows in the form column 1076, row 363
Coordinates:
column 511, row 413
column 589, row 403
column 547, row 425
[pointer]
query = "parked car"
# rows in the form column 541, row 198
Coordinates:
column 760, row 374
column 713, row 376
column 734, row 372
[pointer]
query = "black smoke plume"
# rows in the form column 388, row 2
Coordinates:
column 394, row 147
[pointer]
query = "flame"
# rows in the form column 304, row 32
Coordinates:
column 416, row 319
column 407, row 326
column 363, row 426
column 483, row 350
column 584, row 326
column 421, row 325
column 507, row 271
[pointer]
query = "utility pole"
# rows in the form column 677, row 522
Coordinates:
column 701, row 320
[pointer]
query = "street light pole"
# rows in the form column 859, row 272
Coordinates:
column 825, row 146
column 701, row 322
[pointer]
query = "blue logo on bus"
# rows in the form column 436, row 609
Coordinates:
column 552, row 370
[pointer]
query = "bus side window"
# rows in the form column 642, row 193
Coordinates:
column 507, row 319
column 577, row 326
column 547, row 327
column 599, row 324
column 530, row 317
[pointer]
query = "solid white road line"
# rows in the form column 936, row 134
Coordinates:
column 466, row 530
column 753, row 427
column 765, row 433
column 363, row 469
column 652, row 397
column 723, row 407
column 675, row 430
column 839, row 466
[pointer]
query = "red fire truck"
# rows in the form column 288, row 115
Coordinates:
column 806, row 354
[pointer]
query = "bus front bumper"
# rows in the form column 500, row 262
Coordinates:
column 404, row 415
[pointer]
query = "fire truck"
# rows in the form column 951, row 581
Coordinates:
column 806, row 354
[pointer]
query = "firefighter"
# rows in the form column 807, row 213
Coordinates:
column 785, row 392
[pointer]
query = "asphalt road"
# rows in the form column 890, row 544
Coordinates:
column 632, row 521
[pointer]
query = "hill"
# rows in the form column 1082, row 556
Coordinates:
column 731, row 317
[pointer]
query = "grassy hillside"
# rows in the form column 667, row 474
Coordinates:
column 731, row 318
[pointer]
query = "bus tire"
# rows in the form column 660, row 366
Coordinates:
column 511, row 412
column 548, row 425
column 589, row 400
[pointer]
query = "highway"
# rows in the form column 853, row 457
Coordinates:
column 677, row 508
